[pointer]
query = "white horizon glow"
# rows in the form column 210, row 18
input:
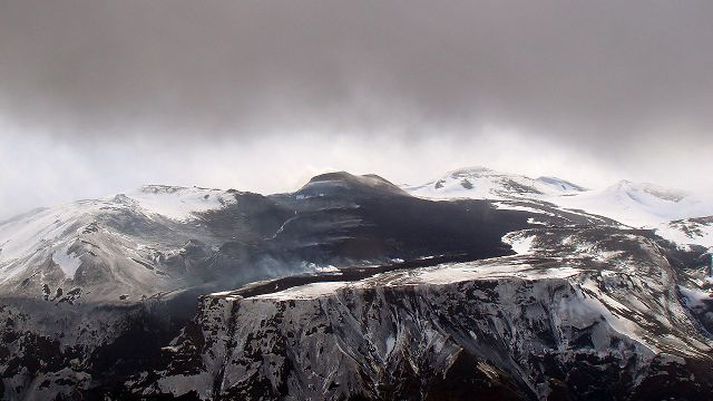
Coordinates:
column 38, row 169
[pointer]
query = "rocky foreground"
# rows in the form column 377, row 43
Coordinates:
column 581, row 314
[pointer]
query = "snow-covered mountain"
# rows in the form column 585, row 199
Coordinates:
column 114, row 246
column 83, row 276
column 351, row 288
column 641, row 205
column 484, row 183
column 46, row 229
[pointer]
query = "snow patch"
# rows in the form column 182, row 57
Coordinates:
column 688, row 232
column 446, row 274
column 67, row 261
column 694, row 296
column 520, row 243
column 180, row 203
column 305, row 292
column 390, row 343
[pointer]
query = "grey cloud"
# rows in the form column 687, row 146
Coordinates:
column 624, row 85
column 579, row 69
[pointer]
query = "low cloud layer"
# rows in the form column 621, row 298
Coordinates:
column 263, row 93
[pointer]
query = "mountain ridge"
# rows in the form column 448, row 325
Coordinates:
column 147, row 298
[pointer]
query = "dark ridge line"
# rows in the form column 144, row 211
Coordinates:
column 349, row 274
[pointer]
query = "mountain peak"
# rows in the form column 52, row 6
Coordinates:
column 342, row 182
column 158, row 188
column 333, row 176
column 484, row 183
column 473, row 170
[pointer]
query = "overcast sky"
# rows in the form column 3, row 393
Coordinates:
column 97, row 96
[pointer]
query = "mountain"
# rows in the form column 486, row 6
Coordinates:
column 484, row 183
column 89, row 278
column 347, row 185
column 582, row 312
column 640, row 205
column 634, row 204
column 352, row 288
column 134, row 245
column 162, row 238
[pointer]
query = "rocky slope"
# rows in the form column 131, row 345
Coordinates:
column 80, row 284
column 582, row 314
column 359, row 291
